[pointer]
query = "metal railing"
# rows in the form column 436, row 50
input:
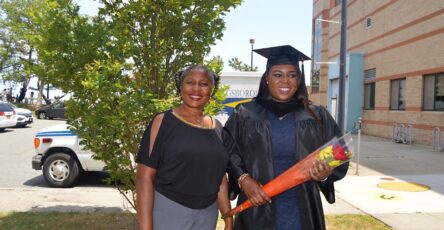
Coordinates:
column 437, row 139
column 402, row 133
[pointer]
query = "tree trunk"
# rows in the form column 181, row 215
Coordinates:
column 48, row 102
column 27, row 79
column 40, row 94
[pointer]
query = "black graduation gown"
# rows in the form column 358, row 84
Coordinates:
column 247, row 137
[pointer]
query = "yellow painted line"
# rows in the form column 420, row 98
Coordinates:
column 235, row 103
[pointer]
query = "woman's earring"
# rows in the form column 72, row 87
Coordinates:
column 266, row 82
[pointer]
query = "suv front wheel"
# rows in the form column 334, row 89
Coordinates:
column 41, row 115
column 60, row 170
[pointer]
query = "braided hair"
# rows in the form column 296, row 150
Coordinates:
column 180, row 76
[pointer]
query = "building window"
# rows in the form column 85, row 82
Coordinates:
column 368, row 22
column 337, row 2
column 397, row 95
column 434, row 92
column 370, row 74
column 369, row 96
column 317, row 46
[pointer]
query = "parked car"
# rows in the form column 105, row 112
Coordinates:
column 60, row 157
column 23, row 117
column 56, row 110
column 7, row 116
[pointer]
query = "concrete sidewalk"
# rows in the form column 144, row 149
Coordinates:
column 384, row 163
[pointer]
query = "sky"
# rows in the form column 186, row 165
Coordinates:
column 269, row 23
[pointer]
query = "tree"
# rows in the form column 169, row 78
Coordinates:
column 48, row 39
column 161, row 37
column 17, row 36
column 238, row 65
column 216, row 64
column 119, row 68
column 68, row 42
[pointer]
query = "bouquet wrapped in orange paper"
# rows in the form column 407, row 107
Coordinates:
column 334, row 153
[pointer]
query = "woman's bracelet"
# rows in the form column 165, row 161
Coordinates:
column 241, row 178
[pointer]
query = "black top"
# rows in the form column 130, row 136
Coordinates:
column 190, row 161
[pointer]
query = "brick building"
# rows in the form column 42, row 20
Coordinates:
column 394, row 64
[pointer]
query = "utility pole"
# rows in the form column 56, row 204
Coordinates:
column 342, row 56
column 252, row 43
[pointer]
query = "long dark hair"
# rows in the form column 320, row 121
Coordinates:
column 300, row 96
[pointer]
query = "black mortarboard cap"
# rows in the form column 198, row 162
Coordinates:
column 280, row 55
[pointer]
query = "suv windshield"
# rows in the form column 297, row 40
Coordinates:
column 58, row 106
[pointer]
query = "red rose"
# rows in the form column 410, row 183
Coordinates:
column 339, row 153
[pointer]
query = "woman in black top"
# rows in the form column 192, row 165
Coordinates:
column 181, row 162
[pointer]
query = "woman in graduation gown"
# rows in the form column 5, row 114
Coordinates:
column 268, row 135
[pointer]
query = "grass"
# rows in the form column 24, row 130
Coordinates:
column 93, row 221
column 343, row 222
column 66, row 220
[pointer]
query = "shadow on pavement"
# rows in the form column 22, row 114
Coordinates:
column 7, row 130
column 21, row 127
column 86, row 179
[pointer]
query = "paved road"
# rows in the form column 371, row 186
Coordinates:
column 24, row 189
column 16, row 151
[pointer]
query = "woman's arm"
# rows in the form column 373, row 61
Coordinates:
column 223, row 202
column 145, row 178
column 145, row 195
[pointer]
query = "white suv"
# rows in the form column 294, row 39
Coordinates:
column 59, row 155
column 7, row 116
column 24, row 116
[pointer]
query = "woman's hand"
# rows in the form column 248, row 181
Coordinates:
column 254, row 192
column 223, row 201
column 320, row 170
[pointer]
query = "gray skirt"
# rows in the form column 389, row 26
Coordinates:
column 170, row 215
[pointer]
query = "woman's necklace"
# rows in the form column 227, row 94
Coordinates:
column 192, row 120
column 282, row 117
column 198, row 121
